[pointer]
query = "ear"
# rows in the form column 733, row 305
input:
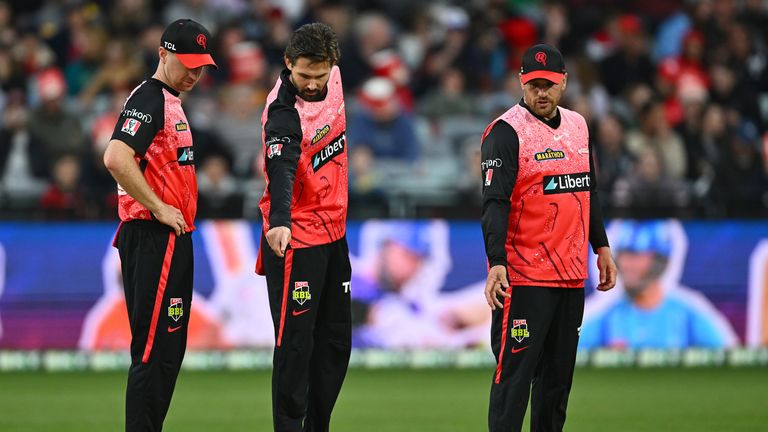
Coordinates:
column 565, row 81
column 522, row 86
column 163, row 54
column 288, row 63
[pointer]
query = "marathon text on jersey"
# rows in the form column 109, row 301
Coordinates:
column 566, row 183
column 335, row 148
column 549, row 154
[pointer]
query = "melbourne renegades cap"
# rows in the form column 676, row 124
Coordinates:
column 542, row 61
column 190, row 41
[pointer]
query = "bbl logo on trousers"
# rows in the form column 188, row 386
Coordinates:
column 176, row 309
column 519, row 329
column 301, row 292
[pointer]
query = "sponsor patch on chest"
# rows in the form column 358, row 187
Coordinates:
column 549, row 154
column 186, row 155
column 566, row 183
column 329, row 152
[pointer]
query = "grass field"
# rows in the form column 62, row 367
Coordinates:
column 622, row 400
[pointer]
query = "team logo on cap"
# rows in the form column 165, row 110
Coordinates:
column 202, row 40
column 541, row 57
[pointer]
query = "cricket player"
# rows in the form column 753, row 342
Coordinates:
column 304, row 252
column 540, row 211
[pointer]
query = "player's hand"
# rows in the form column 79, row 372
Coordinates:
column 496, row 286
column 278, row 239
column 171, row 216
column 607, row 269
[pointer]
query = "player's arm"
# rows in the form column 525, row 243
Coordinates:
column 282, row 136
column 597, row 236
column 140, row 121
column 499, row 157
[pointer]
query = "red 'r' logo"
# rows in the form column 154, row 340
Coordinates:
column 541, row 57
column 201, row 40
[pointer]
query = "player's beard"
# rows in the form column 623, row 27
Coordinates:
column 314, row 97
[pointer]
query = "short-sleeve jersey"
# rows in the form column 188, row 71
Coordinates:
column 154, row 125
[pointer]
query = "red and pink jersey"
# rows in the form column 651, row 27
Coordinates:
column 305, row 163
column 153, row 123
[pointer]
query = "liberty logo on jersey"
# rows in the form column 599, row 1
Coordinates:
column 566, row 183
column 301, row 292
column 549, row 154
column 520, row 330
column 335, row 148
column 186, row 155
column 176, row 309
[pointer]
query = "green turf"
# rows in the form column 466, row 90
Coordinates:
column 398, row 401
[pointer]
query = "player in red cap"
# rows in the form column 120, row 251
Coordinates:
column 151, row 157
column 540, row 211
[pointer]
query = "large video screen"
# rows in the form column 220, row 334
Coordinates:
column 415, row 284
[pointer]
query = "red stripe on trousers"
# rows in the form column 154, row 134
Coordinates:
column 286, row 281
column 159, row 295
column 504, row 325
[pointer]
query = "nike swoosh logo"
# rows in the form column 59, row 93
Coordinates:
column 297, row 313
column 173, row 329
column 517, row 350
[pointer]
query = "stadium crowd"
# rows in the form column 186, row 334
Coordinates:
column 675, row 93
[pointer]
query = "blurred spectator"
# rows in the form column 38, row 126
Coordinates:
column 128, row 17
column 469, row 180
column 613, row 159
column 648, row 191
column 54, row 130
column 201, row 11
column 741, row 175
column 630, row 64
column 89, row 46
column 219, row 194
column 381, row 125
column 449, row 99
column 238, row 124
column 65, row 197
column 120, row 70
column 655, row 133
column 366, row 197
column 21, row 168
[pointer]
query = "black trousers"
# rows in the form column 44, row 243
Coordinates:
column 534, row 338
column 157, row 271
column 309, row 296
